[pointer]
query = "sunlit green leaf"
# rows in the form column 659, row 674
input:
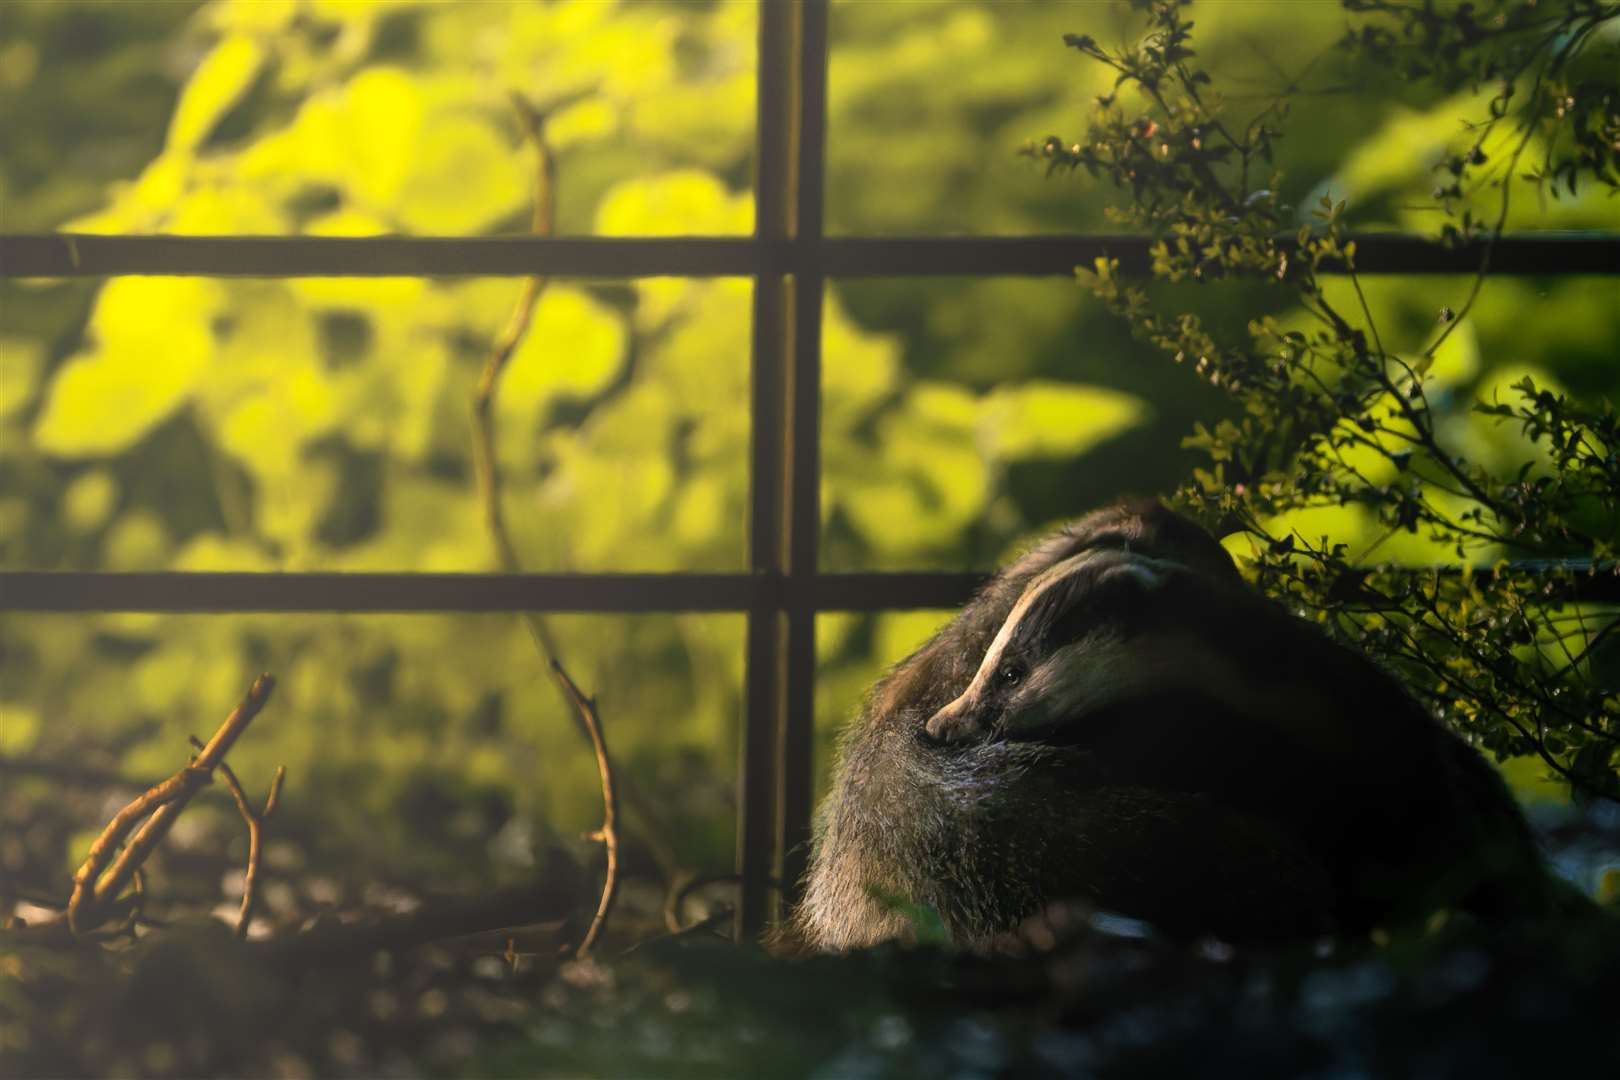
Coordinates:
column 263, row 15
column 152, row 345
column 574, row 346
column 583, row 121
column 141, row 205
column 90, row 499
column 269, row 394
column 138, row 540
column 1409, row 145
column 224, row 209
column 712, row 118
column 462, row 178
column 1457, row 359
column 212, row 553
column 858, row 368
column 371, row 134
column 19, row 727
column 1046, row 419
column 217, row 84
column 683, row 203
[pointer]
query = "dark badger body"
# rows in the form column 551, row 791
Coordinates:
column 1117, row 719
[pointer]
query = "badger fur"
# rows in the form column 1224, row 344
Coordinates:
column 1118, row 720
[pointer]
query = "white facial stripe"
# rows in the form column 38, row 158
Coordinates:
column 992, row 655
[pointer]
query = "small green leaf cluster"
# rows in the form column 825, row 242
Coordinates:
column 1526, row 49
column 1332, row 419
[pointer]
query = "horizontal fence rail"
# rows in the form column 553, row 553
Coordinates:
column 55, row 591
column 76, row 256
column 179, row 592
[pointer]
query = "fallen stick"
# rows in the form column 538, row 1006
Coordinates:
column 96, row 885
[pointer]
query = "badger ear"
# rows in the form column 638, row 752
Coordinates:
column 1187, row 542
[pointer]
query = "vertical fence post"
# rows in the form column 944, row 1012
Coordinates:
column 795, row 743
column 765, row 690
column 775, row 782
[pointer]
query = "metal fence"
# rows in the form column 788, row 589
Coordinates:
column 790, row 261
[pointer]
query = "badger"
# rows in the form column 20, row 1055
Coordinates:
column 1118, row 720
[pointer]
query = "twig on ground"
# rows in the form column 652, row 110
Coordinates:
column 681, row 889
column 709, row 924
column 255, row 820
column 608, row 834
column 97, row 884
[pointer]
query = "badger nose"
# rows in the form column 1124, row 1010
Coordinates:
column 954, row 722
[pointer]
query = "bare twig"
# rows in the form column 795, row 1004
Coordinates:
column 97, row 884
column 255, row 820
column 486, row 467
column 709, row 924
column 181, row 785
column 57, row 931
column 608, row 834
column 675, row 898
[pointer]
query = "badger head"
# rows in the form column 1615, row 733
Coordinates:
column 1144, row 614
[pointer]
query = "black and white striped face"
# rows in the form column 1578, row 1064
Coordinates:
column 1062, row 652
column 1113, row 628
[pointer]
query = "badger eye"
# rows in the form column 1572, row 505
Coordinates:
column 1009, row 674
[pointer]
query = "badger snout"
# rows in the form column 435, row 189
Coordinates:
column 959, row 721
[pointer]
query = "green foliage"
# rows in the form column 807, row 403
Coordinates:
column 1553, row 52
column 1340, row 432
column 322, row 424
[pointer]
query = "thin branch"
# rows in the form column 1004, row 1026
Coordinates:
column 517, row 327
column 608, row 834
column 106, row 846
column 255, row 820
column 1366, row 310
column 1594, row 641
column 487, row 467
column 676, row 897
column 1528, row 132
